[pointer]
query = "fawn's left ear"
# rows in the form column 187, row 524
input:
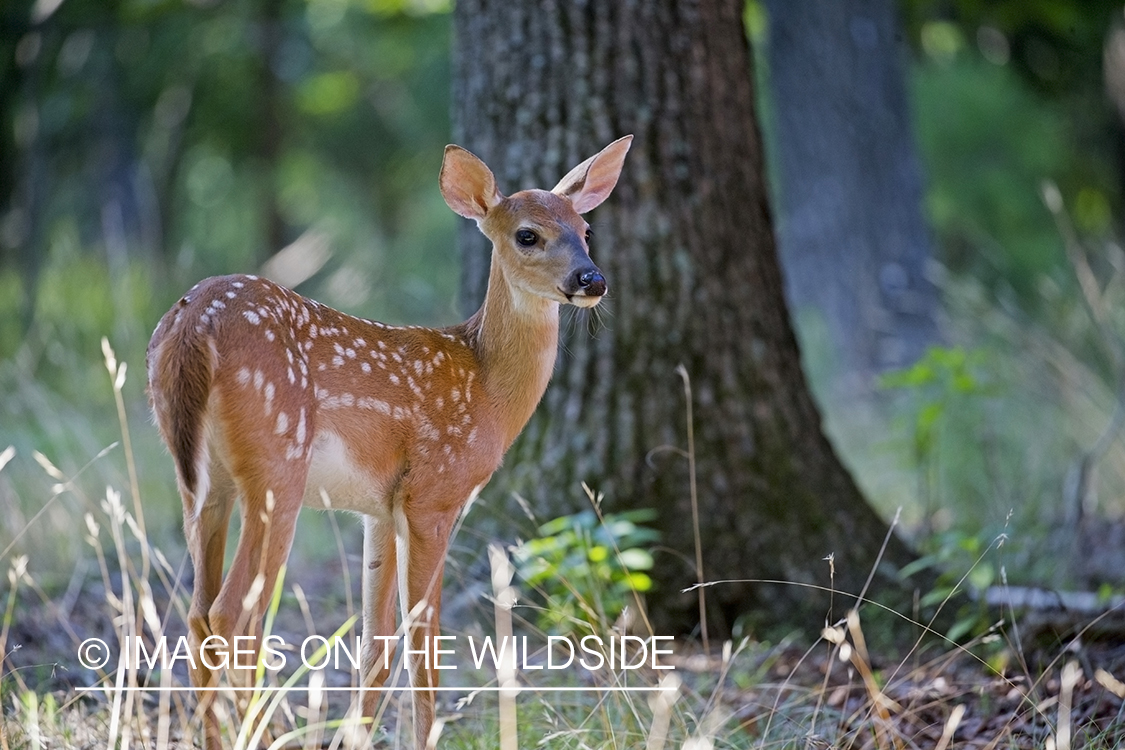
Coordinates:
column 467, row 184
column 591, row 182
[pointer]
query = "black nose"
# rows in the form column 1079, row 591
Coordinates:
column 592, row 282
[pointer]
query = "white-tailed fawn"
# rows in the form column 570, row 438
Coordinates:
column 275, row 400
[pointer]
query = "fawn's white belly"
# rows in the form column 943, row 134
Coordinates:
column 347, row 485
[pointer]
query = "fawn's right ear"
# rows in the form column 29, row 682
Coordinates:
column 467, row 184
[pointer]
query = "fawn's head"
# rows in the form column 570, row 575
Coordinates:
column 539, row 236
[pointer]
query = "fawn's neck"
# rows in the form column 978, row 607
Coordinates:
column 515, row 335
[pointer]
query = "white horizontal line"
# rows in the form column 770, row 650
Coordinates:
column 305, row 688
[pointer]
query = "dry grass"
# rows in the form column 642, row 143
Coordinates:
column 832, row 693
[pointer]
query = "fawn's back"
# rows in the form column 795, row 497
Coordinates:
column 360, row 401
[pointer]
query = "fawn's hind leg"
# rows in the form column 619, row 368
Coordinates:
column 206, row 520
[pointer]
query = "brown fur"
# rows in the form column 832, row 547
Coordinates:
column 180, row 359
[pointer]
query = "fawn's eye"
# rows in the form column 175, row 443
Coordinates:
column 526, row 237
column 589, row 235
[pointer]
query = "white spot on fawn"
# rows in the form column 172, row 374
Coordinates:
column 427, row 431
column 282, row 423
column 373, row 404
column 251, row 316
column 414, row 387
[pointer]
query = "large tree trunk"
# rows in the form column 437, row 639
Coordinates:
column 853, row 241
column 687, row 246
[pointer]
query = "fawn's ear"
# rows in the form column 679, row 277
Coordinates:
column 591, row 182
column 467, row 184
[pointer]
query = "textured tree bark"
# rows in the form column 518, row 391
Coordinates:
column 854, row 244
column 687, row 245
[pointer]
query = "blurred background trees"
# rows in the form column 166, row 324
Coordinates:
column 145, row 144
column 851, row 229
column 204, row 137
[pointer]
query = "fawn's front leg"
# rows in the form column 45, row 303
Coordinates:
column 422, row 542
column 379, row 590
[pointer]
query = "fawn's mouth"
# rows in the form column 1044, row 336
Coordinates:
column 581, row 300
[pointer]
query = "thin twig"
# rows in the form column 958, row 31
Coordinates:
column 699, row 578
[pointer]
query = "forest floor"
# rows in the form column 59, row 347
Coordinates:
column 830, row 694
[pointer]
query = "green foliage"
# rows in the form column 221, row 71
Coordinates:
column 990, row 436
column 1008, row 94
column 965, row 566
column 202, row 139
column 588, row 569
column 940, row 379
column 940, row 390
column 1054, row 44
column 989, row 218
column 984, row 200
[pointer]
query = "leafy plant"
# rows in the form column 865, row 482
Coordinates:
column 955, row 553
column 588, row 567
column 943, row 378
